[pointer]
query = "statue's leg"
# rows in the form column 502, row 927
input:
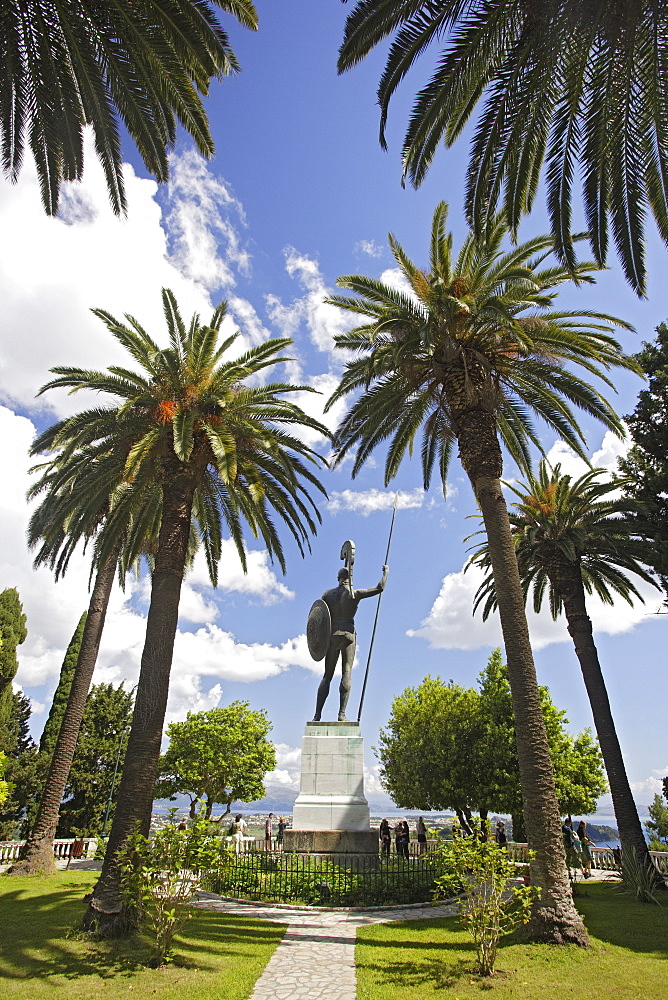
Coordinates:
column 347, row 657
column 323, row 688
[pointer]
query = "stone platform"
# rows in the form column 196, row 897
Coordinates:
column 331, row 814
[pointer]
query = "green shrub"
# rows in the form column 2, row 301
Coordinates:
column 160, row 876
column 639, row 879
column 481, row 874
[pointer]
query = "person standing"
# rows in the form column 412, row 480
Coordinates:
column 500, row 834
column 268, row 829
column 585, row 844
column 406, row 839
column 421, row 835
column 572, row 846
column 402, row 838
column 281, row 830
column 183, row 825
column 385, row 838
column 237, row 831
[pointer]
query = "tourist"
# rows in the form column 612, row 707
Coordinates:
column 183, row 825
column 385, row 838
column 421, row 830
column 585, row 844
column 268, row 826
column 237, row 830
column 402, row 838
column 572, row 846
column 500, row 834
column 281, row 830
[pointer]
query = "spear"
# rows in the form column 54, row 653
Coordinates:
column 375, row 622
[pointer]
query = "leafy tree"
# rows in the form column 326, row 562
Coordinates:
column 51, row 729
column 575, row 85
column 646, row 464
column 221, row 756
column 431, row 751
column 572, row 538
column 104, row 732
column 142, row 63
column 469, row 353
column 463, row 754
column 657, row 824
column 214, row 451
column 13, row 632
column 22, row 768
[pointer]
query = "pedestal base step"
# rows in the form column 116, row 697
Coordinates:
column 331, row 841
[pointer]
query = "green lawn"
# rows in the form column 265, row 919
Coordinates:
column 217, row 957
column 425, row 959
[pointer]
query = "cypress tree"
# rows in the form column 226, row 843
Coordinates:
column 12, row 633
column 49, row 736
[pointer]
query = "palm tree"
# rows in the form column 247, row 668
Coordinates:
column 467, row 351
column 574, row 538
column 577, row 85
column 79, row 487
column 218, row 451
column 145, row 62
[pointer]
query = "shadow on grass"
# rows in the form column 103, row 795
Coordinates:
column 616, row 918
column 413, row 975
column 40, row 937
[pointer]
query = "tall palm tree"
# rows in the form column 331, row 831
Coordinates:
column 572, row 538
column 142, row 63
column 467, row 352
column 79, row 486
column 218, row 451
column 577, row 85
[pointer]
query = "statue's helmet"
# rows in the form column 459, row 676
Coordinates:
column 342, row 575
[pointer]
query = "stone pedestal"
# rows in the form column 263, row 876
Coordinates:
column 331, row 814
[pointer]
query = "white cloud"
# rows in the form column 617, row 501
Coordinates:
column 259, row 581
column 286, row 775
column 367, row 502
column 645, row 790
column 56, row 270
column 369, row 247
column 396, row 278
column 612, row 448
column 323, row 321
column 450, row 623
column 198, row 223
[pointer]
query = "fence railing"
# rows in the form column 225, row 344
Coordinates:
column 62, row 848
column 325, row 880
column 601, row 857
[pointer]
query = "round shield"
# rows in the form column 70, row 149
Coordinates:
column 318, row 629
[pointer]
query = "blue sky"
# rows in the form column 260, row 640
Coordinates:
column 298, row 193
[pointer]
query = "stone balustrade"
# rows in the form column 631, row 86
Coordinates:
column 601, row 857
column 62, row 848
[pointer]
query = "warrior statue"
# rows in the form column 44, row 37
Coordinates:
column 331, row 630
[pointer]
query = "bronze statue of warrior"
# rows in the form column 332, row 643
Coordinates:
column 339, row 605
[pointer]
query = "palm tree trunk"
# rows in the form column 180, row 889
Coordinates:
column 37, row 854
column 554, row 917
column 106, row 912
column 567, row 581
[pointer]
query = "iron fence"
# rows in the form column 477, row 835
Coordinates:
column 326, row 880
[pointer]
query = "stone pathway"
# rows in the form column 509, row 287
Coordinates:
column 316, row 958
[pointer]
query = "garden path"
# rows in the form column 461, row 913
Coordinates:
column 316, row 958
